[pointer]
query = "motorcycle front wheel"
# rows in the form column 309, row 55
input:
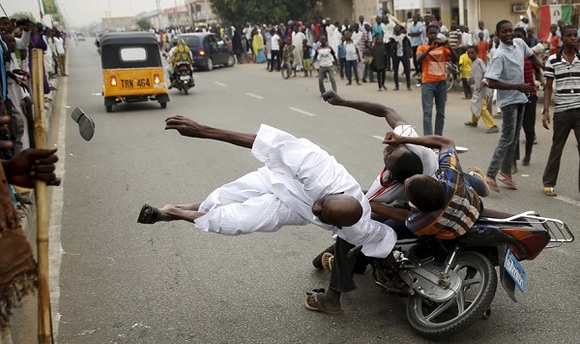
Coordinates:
column 435, row 320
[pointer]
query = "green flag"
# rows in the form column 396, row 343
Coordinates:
column 49, row 7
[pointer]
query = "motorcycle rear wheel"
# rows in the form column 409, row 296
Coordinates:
column 440, row 320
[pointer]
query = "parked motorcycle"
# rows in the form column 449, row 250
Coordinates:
column 451, row 283
column 184, row 77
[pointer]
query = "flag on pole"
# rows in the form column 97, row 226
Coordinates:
column 551, row 14
column 49, row 7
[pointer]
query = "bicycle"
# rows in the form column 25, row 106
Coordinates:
column 452, row 74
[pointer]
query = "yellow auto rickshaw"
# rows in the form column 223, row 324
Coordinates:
column 132, row 69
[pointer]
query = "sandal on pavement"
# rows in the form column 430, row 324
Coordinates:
column 327, row 261
column 312, row 303
column 492, row 184
column 148, row 214
column 507, row 181
column 549, row 191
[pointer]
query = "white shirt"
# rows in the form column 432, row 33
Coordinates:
column 296, row 174
column 351, row 51
column 275, row 42
column 394, row 190
column 59, row 44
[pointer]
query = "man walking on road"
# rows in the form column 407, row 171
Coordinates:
column 327, row 59
column 563, row 69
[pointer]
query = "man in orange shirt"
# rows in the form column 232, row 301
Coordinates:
column 433, row 58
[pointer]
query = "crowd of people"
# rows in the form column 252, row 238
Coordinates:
column 21, row 163
column 300, row 183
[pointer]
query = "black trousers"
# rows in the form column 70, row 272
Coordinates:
column 275, row 56
column 344, row 267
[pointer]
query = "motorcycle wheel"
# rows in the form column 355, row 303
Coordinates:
column 185, row 89
column 435, row 320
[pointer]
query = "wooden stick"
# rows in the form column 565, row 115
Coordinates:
column 44, row 328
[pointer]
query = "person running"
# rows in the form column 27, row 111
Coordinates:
column 481, row 98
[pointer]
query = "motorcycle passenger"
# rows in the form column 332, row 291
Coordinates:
column 299, row 184
column 178, row 55
column 446, row 206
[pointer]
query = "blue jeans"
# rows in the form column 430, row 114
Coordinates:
column 351, row 67
column 430, row 91
column 512, row 117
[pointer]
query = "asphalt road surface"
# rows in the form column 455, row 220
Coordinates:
column 117, row 281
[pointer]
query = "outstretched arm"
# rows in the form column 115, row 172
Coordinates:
column 378, row 110
column 432, row 141
column 190, row 128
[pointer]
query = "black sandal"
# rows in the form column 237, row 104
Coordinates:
column 148, row 214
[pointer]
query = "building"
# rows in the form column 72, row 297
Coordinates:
column 200, row 12
column 124, row 23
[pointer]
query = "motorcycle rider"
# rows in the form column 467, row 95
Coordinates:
column 446, row 206
column 177, row 55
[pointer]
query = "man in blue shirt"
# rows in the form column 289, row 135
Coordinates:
column 506, row 74
column 416, row 32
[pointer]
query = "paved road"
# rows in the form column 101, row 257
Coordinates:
column 121, row 282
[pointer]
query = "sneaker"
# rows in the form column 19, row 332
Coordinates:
column 478, row 173
column 492, row 130
column 396, row 88
column 470, row 124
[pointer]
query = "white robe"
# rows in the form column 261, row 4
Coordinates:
column 296, row 174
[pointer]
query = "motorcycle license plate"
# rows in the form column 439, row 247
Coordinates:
column 515, row 270
column 185, row 77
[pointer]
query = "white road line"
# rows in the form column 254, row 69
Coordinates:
column 302, row 111
column 219, row 83
column 568, row 200
column 55, row 224
column 254, row 95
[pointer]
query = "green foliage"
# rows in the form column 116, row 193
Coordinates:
column 144, row 24
column 239, row 12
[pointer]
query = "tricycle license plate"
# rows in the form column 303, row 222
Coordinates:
column 515, row 270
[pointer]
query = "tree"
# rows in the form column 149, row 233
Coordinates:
column 239, row 12
column 144, row 24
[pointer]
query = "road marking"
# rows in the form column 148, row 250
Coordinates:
column 568, row 200
column 254, row 95
column 379, row 137
column 302, row 111
column 219, row 83
column 55, row 224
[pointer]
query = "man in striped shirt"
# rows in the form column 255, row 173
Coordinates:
column 563, row 68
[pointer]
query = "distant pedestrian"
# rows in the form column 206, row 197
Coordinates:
column 327, row 61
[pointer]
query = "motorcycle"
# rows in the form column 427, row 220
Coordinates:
column 184, row 77
column 452, row 74
column 451, row 283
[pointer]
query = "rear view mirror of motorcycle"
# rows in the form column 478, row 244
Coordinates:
column 85, row 123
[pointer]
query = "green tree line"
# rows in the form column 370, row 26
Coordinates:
column 239, row 12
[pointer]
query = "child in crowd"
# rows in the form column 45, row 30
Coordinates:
column 465, row 74
column 482, row 48
column 307, row 60
column 288, row 54
column 379, row 62
column 342, row 58
column 481, row 99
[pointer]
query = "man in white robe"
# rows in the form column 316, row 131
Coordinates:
column 299, row 184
